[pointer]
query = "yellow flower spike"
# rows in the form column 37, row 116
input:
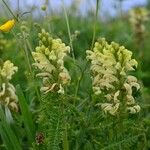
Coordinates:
column 6, row 27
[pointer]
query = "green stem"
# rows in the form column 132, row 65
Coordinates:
column 79, row 81
column 95, row 21
column 9, row 10
column 26, row 54
column 26, row 43
column 78, row 84
column 65, row 139
column 120, row 8
column 68, row 28
column 77, row 88
column 29, row 46
column 18, row 4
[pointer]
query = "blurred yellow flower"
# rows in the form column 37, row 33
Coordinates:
column 6, row 27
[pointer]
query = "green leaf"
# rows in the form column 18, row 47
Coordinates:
column 4, row 137
column 7, row 133
column 26, row 115
column 9, row 117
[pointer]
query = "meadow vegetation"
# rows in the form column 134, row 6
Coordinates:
column 74, row 82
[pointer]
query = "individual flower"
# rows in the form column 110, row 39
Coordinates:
column 6, row 27
column 48, row 58
column 8, row 95
column 110, row 67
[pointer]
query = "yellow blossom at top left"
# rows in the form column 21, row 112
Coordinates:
column 6, row 27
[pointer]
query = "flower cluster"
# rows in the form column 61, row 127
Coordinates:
column 8, row 95
column 138, row 16
column 48, row 58
column 110, row 65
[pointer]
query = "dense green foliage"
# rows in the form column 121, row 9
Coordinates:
column 73, row 120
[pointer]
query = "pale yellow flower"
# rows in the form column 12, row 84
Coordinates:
column 49, row 59
column 110, row 68
column 8, row 96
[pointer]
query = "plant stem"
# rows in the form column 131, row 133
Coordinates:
column 65, row 139
column 120, row 8
column 18, row 8
column 26, row 42
column 78, row 84
column 95, row 21
column 9, row 10
column 68, row 28
column 26, row 54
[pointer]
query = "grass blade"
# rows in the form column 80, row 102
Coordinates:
column 26, row 114
column 8, row 133
column 4, row 137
